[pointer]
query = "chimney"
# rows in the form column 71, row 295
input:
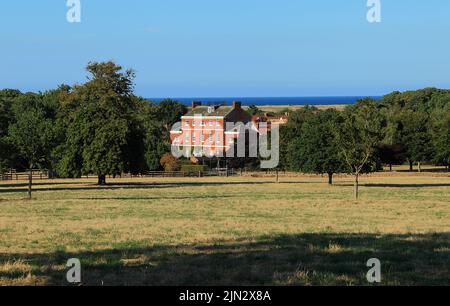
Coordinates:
column 195, row 104
column 237, row 105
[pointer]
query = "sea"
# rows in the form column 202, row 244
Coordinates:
column 262, row 101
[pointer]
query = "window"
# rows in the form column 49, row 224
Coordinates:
column 187, row 137
column 218, row 137
column 186, row 124
column 211, row 123
column 210, row 138
column 218, row 123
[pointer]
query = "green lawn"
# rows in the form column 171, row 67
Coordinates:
column 227, row 231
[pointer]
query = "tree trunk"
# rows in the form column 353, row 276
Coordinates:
column 411, row 166
column 278, row 179
column 30, row 183
column 419, row 167
column 357, row 186
column 330, row 178
column 390, row 167
column 102, row 179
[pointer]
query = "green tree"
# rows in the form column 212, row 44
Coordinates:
column 414, row 133
column 32, row 132
column 440, row 136
column 392, row 154
column 253, row 110
column 101, row 124
column 316, row 151
column 291, row 131
column 358, row 133
column 167, row 113
column 7, row 151
column 157, row 132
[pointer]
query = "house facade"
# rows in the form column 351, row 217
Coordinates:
column 210, row 130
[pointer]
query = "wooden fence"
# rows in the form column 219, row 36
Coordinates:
column 43, row 175
column 21, row 176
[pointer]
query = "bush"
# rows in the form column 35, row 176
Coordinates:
column 194, row 168
column 170, row 163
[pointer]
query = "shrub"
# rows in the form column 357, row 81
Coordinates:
column 170, row 163
column 194, row 168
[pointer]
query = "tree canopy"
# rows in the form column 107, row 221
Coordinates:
column 316, row 150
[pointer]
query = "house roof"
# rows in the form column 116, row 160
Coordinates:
column 210, row 111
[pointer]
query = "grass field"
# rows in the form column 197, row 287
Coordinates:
column 279, row 108
column 227, row 231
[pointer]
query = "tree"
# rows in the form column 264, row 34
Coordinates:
column 292, row 130
column 33, row 133
column 392, row 154
column 440, row 136
column 167, row 113
column 253, row 110
column 415, row 135
column 358, row 134
column 157, row 132
column 7, row 99
column 316, row 151
column 154, row 146
column 101, row 123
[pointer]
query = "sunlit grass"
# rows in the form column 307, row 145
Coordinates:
column 238, row 230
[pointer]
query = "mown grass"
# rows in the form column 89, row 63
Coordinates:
column 227, row 231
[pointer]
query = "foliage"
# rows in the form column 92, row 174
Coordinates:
column 315, row 150
column 291, row 131
column 33, row 131
column 253, row 110
column 170, row 163
column 194, row 168
column 358, row 135
column 102, row 132
column 440, row 135
column 392, row 154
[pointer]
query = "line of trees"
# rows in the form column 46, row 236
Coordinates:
column 102, row 128
column 412, row 127
column 99, row 127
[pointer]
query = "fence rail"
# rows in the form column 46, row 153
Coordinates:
column 43, row 175
column 20, row 176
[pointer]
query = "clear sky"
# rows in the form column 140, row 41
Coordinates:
column 217, row 48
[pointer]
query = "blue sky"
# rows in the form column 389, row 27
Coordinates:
column 212, row 48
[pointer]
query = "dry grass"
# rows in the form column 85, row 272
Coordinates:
column 240, row 230
column 279, row 108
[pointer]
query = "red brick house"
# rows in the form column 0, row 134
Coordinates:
column 206, row 126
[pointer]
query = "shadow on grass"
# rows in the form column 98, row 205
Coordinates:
column 303, row 259
column 397, row 185
column 130, row 185
column 159, row 198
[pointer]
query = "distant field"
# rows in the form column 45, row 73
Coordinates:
column 228, row 231
column 278, row 108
